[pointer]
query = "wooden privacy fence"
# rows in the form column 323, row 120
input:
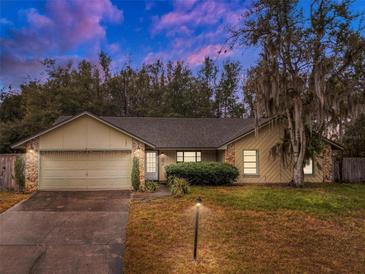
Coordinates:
column 352, row 170
column 7, row 165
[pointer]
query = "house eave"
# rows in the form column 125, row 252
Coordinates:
column 186, row 148
column 338, row 146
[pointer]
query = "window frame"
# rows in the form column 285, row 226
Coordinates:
column 256, row 162
column 148, row 162
column 183, row 156
column 312, row 169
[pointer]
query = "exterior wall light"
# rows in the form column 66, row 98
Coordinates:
column 31, row 148
column 197, row 207
column 138, row 149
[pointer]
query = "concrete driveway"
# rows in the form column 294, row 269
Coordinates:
column 65, row 232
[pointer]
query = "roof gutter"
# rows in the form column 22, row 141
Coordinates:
column 333, row 143
column 186, row 148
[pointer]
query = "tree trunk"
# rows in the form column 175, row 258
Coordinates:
column 298, row 174
column 299, row 157
column 298, row 141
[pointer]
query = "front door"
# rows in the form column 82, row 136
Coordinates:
column 151, row 165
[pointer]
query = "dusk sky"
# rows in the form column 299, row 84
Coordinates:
column 128, row 31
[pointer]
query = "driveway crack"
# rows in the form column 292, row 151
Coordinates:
column 53, row 228
column 37, row 262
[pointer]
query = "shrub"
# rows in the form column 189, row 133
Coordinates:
column 151, row 186
column 204, row 173
column 178, row 186
column 20, row 172
column 135, row 174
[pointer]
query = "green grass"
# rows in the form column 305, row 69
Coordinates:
column 325, row 199
column 250, row 229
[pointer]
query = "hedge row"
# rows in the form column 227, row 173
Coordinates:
column 204, row 173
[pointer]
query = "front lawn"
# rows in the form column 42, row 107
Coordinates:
column 251, row 229
column 8, row 199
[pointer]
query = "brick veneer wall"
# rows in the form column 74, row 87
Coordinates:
column 229, row 154
column 31, row 165
column 138, row 150
column 327, row 164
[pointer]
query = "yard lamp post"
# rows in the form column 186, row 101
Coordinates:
column 197, row 206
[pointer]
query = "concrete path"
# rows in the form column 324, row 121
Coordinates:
column 65, row 232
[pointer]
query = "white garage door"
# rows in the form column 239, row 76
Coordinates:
column 85, row 170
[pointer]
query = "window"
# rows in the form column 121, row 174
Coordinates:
column 188, row 156
column 308, row 167
column 151, row 162
column 250, row 162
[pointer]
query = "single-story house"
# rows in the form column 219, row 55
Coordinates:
column 88, row 152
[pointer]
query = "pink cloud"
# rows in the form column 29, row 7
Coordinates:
column 184, row 4
column 114, row 48
column 69, row 23
column 153, row 56
column 207, row 12
column 184, row 30
column 213, row 51
column 15, row 70
column 79, row 22
column 198, row 28
column 195, row 58
column 65, row 25
column 181, row 43
column 36, row 20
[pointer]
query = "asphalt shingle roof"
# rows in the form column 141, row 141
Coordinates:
column 182, row 132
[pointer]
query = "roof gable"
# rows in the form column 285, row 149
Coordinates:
column 266, row 122
column 69, row 119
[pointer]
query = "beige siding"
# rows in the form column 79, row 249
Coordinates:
column 85, row 133
column 85, row 170
column 209, row 155
column 220, row 156
column 317, row 176
column 167, row 157
column 270, row 170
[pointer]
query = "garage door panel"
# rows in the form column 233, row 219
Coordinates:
column 103, row 176
column 65, row 156
column 109, row 181
column 107, row 165
column 85, row 170
column 81, row 184
column 107, row 155
column 83, row 164
column 51, row 164
column 63, row 173
column 65, row 181
column 60, row 183
column 107, row 172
